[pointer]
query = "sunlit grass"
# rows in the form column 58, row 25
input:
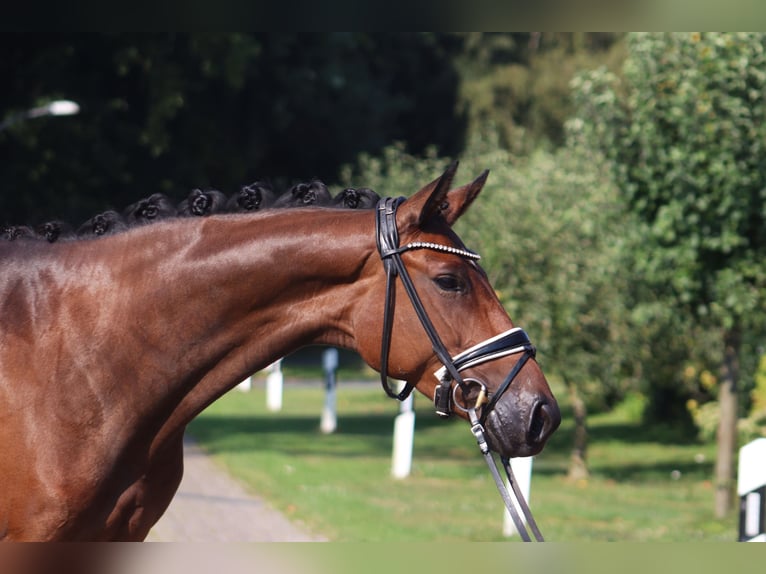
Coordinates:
column 642, row 487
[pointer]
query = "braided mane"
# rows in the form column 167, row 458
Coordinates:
column 255, row 196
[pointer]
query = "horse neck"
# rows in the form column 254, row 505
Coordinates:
column 282, row 280
column 215, row 300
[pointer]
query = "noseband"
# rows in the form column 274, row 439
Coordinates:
column 510, row 342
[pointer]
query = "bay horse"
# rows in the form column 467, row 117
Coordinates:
column 110, row 346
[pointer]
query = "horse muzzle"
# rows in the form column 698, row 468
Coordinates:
column 521, row 425
column 520, row 413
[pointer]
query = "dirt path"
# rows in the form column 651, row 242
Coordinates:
column 210, row 506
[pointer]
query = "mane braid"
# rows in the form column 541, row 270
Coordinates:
column 258, row 196
column 438, row 247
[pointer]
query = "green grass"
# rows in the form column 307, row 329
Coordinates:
column 339, row 485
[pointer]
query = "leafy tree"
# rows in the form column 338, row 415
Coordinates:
column 553, row 240
column 519, row 82
column 685, row 133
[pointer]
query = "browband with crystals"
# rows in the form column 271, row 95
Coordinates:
column 439, row 247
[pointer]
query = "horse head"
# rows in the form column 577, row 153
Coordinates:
column 453, row 340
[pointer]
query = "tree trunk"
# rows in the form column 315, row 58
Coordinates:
column 578, row 466
column 727, row 426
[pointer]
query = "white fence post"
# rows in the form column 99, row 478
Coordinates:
column 522, row 471
column 274, row 384
column 404, row 436
column 329, row 421
column 245, row 385
column 751, row 487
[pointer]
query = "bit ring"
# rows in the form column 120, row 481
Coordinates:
column 480, row 400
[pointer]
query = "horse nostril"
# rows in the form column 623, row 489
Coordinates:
column 545, row 419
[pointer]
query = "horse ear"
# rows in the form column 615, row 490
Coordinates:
column 432, row 198
column 461, row 197
column 436, row 199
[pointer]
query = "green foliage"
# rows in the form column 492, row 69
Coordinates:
column 685, row 132
column 552, row 234
column 395, row 171
column 754, row 425
column 519, row 82
column 759, row 392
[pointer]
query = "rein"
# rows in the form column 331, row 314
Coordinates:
column 511, row 342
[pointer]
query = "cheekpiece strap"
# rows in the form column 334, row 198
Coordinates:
column 387, row 237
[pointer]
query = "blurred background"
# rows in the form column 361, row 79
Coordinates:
column 169, row 112
column 623, row 224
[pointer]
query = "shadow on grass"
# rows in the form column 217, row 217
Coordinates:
column 357, row 435
column 370, row 435
column 654, row 471
column 633, row 433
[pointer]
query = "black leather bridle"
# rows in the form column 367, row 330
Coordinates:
column 511, row 342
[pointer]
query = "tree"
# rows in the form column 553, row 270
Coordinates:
column 519, row 81
column 684, row 130
column 552, row 238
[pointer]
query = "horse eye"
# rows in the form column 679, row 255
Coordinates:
column 449, row 283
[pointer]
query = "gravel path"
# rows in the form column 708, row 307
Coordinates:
column 210, row 506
